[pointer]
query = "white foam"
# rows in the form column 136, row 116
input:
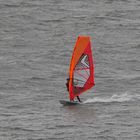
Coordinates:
column 115, row 98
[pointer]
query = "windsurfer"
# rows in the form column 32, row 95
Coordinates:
column 67, row 85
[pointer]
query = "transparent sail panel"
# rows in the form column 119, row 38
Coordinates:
column 81, row 71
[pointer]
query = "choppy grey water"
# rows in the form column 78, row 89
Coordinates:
column 36, row 44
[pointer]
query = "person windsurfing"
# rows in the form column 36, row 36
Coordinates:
column 67, row 85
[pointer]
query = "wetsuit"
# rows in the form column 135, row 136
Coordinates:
column 67, row 84
column 78, row 99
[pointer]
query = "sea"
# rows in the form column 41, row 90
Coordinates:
column 37, row 38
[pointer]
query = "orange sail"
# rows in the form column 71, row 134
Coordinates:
column 81, row 70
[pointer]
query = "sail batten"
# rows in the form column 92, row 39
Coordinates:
column 81, row 70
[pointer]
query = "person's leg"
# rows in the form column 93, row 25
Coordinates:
column 78, row 98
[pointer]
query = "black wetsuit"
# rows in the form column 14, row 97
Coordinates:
column 78, row 99
column 67, row 84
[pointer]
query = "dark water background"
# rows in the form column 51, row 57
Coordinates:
column 36, row 44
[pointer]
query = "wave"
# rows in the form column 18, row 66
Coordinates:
column 115, row 98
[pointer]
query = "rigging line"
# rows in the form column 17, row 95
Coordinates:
column 82, row 68
column 79, row 80
column 85, row 69
column 89, row 83
column 81, row 75
column 88, row 74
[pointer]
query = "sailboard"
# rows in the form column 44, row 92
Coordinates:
column 68, row 103
column 81, row 71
